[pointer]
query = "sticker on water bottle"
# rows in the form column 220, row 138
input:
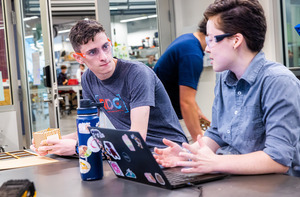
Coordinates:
column 83, row 127
column 92, row 145
column 84, row 151
column 84, row 166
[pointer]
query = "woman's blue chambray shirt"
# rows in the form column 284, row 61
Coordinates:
column 258, row 112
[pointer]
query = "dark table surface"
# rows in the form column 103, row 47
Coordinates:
column 63, row 179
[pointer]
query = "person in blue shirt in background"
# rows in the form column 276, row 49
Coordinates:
column 179, row 69
column 256, row 112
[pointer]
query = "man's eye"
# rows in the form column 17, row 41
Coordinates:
column 92, row 52
column 105, row 47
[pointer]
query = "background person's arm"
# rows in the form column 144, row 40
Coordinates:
column 139, row 118
column 191, row 113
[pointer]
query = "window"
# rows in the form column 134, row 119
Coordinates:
column 291, row 18
column 5, row 90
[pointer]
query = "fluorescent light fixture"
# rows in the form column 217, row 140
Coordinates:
column 26, row 37
column 138, row 18
column 34, row 28
column 152, row 16
column 30, row 18
column 64, row 31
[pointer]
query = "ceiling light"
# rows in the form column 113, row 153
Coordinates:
column 64, row 31
column 138, row 18
column 30, row 18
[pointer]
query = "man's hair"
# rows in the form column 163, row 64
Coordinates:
column 83, row 32
column 62, row 67
column 240, row 16
column 202, row 26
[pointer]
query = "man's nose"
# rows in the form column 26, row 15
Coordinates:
column 102, row 55
column 207, row 49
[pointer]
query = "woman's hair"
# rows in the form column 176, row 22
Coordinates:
column 240, row 16
column 83, row 32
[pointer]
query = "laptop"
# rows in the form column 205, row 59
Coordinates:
column 129, row 157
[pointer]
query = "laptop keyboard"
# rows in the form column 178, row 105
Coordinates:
column 177, row 177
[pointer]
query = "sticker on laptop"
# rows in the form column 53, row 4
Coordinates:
column 110, row 149
column 149, row 177
column 92, row 145
column 114, row 165
column 159, row 179
column 84, row 166
column 126, row 157
column 130, row 174
column 97, row 133
column 128, row 143
column 84, row 151
column 137, row 140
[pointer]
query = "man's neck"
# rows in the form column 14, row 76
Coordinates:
column 201, row 37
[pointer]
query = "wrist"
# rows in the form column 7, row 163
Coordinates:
column 76, row 148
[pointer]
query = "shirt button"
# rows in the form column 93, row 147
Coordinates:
column 239, row 92
column 228, row 131
column 236, row 112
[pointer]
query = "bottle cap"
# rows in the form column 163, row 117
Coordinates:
column 88, row 107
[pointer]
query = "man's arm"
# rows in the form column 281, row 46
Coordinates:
column 189, row 110
column 139, row 118
column 204, row 160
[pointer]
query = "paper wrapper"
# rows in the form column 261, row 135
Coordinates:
column 49, row 133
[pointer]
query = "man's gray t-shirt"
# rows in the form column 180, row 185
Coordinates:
column 134, row 85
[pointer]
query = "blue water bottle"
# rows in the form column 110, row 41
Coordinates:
column 90, row 158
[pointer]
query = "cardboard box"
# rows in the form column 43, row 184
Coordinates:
column 49, row 133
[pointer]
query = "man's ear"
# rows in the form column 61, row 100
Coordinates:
column 238, row 39
column 78, row 58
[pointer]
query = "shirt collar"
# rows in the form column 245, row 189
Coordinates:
column 251, row 72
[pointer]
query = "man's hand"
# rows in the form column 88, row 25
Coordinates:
column 201, row 159
column 168, row 157
column 58, row 147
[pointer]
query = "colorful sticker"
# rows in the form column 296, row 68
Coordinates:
column 92, row 145
column 159, row 179
column 130, row 174
column 110, row 149
column 84, row 151
column 97, row 133
column 114, row 165
column 126, row 157
column 137, row 140
column 83, row 127
column 149, row 177
column 128, row 142
column 84, row 166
